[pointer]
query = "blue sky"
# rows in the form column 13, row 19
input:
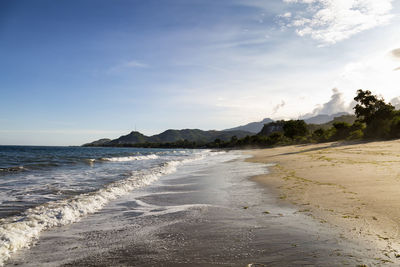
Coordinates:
column 75, row 71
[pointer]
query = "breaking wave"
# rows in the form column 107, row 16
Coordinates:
column 131, row 158
column 17, row 232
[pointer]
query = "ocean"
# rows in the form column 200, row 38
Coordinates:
column 78, row 206
column 45, row 187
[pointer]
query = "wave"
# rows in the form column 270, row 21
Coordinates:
column 19, row 231
column 131, row 158
column 39, row 166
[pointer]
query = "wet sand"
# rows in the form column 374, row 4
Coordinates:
column 209, row 214
column 354, row 187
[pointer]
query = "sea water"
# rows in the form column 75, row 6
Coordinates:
column 124, row 206
column 45, row 187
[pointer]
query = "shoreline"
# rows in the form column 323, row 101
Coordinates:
column 353, row 187
column 205, row 214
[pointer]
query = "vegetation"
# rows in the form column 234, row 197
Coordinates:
column 376, row 114
column 374, row 119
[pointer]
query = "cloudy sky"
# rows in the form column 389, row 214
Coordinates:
column 75, row 71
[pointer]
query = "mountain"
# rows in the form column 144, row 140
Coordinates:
column 253, row 127
column 272, row 127
column 131, row 138
column 350, row 119
column 324, row 118
column 171, row 136
column 178, row 135
column 277, row 126
column 99, row 142
column 202, row 137
column 256, row 127
column 195, row 135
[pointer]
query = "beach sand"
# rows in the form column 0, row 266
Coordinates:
column 354, row 187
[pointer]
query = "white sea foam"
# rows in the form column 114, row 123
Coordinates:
column 131, row 158
column 19, row 231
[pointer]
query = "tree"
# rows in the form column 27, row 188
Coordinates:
column 275, row 138
column 318, row 135
column 294, row 128
column 342, row 130
column 395, row 127
column 370, row 107
column 376, row 114
column 234, row 140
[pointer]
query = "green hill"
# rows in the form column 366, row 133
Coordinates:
column 171, row 136
column 131, row 138
column 99, row 142
column 195, row 135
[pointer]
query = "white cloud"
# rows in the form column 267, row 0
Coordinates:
column 331, row 21
column 396, row 53
column 396, row 102
column 335, row 105
column 373, row 72
column 287, row 15
column 277, row 107
column 134, row 64
column 127, row 65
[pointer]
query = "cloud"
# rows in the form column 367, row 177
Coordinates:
column 133, row 64
column 286, row 15
column 331, row 21
column 277, row 107
column 395, row 53
column 396, row 102
column 335, row 105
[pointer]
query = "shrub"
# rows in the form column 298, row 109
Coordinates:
column 356, row 135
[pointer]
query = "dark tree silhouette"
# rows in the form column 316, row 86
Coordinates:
column 295, row 128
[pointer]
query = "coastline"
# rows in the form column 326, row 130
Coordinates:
column 353, row 187
column 208, row 213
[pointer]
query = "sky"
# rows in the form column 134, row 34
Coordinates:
column 76, row 71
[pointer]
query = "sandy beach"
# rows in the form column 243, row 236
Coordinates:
column 351, row 186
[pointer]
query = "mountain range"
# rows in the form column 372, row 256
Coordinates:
column 200, row 136
column 253, row 127
column 256, row 127
column 171, row 136
column 324, row 118
column 277, row 126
